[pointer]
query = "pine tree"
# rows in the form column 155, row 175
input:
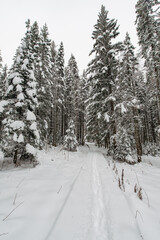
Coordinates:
column 127, row 104
column 1, row 81
column 3, row 103
column 102, row 73
column 53, row 51
column 72, row 82
column 20, row 126
column 35, row 47
column 83, row 93
column 35, row 41
column 0, row 62
column 69, row 109
column 59, row 95
column 44, row 80
column 3, row 74
column 4, row 80
column 70, row 142
column 148, row 32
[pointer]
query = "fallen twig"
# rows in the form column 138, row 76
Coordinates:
column 14, row 202
column 12, row 211
column 20, row 182
column 137, row 178
column 139, row 214
column 2, row 234
column 59, row 190
column 147, row 197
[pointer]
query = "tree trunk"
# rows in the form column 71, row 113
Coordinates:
column 15, row 157
column 137, row 135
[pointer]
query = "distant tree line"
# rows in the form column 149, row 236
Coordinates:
column 123, row 112
column 40, row 96
column 115, row 103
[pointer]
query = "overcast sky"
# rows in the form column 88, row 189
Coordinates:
column 70, row 21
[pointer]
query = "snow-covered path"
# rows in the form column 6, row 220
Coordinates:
column 75, row 196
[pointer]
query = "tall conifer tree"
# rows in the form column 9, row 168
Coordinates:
column 127, row 105
column 102, row 73
column 20, row 126
column 72, row 82
column 59, row 94
column 149, row 32
column 44, row 79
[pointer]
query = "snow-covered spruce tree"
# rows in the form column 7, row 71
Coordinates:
column 69, row 93
column 148, row 31
column 51, row 130
column 140, row 89
column 70, row 141
column 35, row 47
column 20, row 125
column 3, row 103
column 123, row 151
column 2, row 91
column 0, row 62
column 147, row 112
column 83, row 93
column 44, row 83
column 1, row 82
column 35, row 41
column 53, row 51
column 59, row 91
column 151, row 117
column 72, row 82
column 127, row 105
column 102, row 72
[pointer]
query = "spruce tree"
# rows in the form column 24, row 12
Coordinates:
column 72, row 82
column 0, row 63
column 59, row 95
column 44, row 83
column 102, row 74
column 53, row 51
column 127, row 105
column 3, row 73
column 35, row 47
column 83, row 93
column 148, row 32
column 1, row 81
column 3, row 103
column 70, row 142
column 21, row 135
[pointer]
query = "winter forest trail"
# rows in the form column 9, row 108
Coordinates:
column 73, row 196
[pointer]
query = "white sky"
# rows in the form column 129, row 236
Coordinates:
column 70, row 21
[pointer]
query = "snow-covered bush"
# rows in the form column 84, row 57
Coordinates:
column 70, row 142
column 151, row 149
column 31, row 150
column 29, row 155
column 121, row 145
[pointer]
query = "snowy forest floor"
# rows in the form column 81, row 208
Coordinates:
column 76, row 196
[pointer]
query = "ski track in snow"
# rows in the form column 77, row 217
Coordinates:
column 63, row 205
column 101, row 229
column 74, row 197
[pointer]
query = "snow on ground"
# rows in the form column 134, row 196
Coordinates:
column 80, row 196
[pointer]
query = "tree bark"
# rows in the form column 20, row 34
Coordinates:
column 15, row 157
column 137, row 135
